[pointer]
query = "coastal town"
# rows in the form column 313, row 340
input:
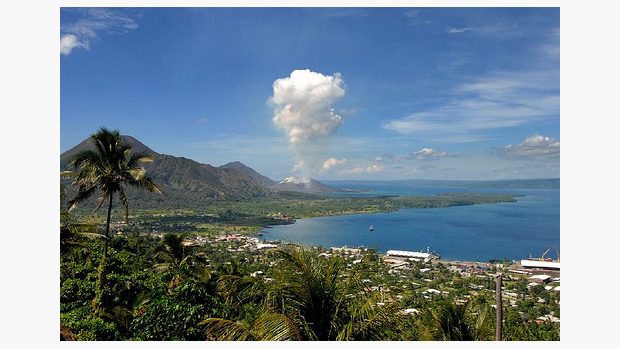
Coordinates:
column 410, row 279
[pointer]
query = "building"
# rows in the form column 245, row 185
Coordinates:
column 539, row 279
column 425, row 256
column 264, row 246
column 346, row 250
column 411, row 311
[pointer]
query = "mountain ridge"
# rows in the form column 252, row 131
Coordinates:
column 186, row 182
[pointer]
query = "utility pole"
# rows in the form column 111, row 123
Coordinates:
column 498, row 307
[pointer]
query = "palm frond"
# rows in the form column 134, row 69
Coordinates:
column 148, row 184
column 226, row 330
column 67, row 174
column 86, row 157
column 82, row 195
column 239, row 289
column 163, row 267
column 73, row 234
column 137, row 158
column 484, row 323
column 276, row 327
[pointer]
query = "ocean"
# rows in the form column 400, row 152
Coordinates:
column 516, row 230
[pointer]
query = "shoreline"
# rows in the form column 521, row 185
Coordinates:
column 384, row 255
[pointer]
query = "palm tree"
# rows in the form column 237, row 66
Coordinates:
column 174, row 257
column 451, row 322
column 173, row 252
column 107, row 170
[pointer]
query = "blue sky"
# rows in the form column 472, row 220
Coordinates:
column 334, row 93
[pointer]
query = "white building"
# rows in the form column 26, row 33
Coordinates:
column 263, row 246
column 410, row 254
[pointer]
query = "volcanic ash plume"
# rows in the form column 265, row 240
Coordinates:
column 303, row 109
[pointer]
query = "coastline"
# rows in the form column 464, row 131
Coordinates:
column 411, row 202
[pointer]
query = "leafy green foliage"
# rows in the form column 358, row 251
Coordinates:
column 89, row 327
column 168, row 319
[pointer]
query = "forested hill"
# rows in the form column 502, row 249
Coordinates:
column 250, row 172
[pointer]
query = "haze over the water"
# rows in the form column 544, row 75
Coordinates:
column 328, row 93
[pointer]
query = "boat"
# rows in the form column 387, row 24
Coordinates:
column 542, row 262
column 371, row 228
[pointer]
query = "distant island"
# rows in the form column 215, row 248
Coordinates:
column 544, row 183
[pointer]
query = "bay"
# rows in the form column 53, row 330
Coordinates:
column 516, row 230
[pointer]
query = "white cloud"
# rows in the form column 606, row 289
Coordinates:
column 500, row 30
column 332, row 162
column 412, row 13
column 80, row 33
column 459, row 30
column 496, row 100
column 303, row 109
column 431, row 154
column 69, row 41
column 374, row 168
column 532, row 147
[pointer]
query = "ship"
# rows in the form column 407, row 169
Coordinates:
column 371, row 228
column 542, row 262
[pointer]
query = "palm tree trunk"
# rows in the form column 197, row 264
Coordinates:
column 101, row 273
column 107, row 229
column 498, row 307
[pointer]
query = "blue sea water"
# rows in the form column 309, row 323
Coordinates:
column 475, row 233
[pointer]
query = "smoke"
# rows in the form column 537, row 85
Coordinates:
column 303, row 110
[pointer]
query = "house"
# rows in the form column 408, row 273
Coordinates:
column 264, row 246
column 539, row 279
column 411, row 311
